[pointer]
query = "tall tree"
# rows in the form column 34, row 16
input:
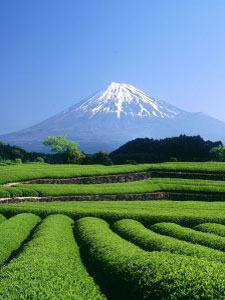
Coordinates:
column 59, row 144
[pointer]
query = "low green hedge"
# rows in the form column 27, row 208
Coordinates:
column 190, row 235
column 14, row 231
column 49, row 267
column 128, row 272
column 148, row 240
column 2, row 218
column 214, row 228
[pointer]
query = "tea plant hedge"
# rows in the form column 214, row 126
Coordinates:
column 13, row 232
column 49, row 266
column 124, row 268
column 217, row 229
column 190, row 235
column 148, row 240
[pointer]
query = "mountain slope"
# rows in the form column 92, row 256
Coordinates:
column 114, row 116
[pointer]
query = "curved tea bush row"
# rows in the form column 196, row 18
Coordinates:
column 148, row 240
column 14, row 231
column 4, row 193
column 190, row 235
column 214, row 228
column 129, row 272
column 29, row 171
column 190, row 213
column 2, row 218
column 49, row 267
column 22, row 172
column 8, row 192
column 143, row 186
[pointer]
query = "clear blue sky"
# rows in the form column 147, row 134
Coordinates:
column 53, row 53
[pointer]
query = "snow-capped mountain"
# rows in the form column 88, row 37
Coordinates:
column 114, row 116
column 125, row 99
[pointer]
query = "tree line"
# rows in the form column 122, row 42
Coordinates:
column 140, row 150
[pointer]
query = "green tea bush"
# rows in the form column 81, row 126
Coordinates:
column 13, row 232
column 29, row 192
column 2, row 218
column 189, row 214
column 214, row 228
column 4, row 193
column 14, row 192
column 128, row 272
column 190, row 235
column 49, row 267
column 148, row 240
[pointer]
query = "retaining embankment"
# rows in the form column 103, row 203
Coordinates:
column 128, row 177
column 113, row 197
column 187, row 175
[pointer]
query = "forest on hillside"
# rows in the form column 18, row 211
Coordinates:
column 140, row 150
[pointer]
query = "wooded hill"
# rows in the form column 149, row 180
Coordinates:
column 182, row 148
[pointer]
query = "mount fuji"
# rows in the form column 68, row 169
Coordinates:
column 114, row 116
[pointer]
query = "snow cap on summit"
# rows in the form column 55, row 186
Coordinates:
column 121, row 98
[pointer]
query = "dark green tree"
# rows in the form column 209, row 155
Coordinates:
column 73, row 156
column 101, row 157
column 68, row 150
column 217, row 153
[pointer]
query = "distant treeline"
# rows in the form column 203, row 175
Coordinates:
column 16, row 153
column 140, row 150
column 182, row 148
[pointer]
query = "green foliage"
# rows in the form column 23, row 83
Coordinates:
column 11, row 153
column 173, row 159
column 148, row 240
column 190, row 235
column 190, row 213
column 59, row 143
column 131, row 162
column 13, row 232
column 14, row 192
column 2, row 218
column 13, row 173
column 73, row 156
column 217, row 153
column 101, row 157
column 209, row 187
column 49, row 267
column 183, row 148
column 128, row 272
column 33, row 171
column 214, row 228
column 18, row 161
column 88, row 189
column 4, row 193
column 39, row 159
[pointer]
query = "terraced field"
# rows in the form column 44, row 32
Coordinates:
column 159, row 249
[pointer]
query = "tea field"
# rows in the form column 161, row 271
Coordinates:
column 156, row 249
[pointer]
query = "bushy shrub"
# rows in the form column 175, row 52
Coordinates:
column 73, row 156
column 39, row 159
column 18, row 161
column 131, row 162
column 101, row 157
